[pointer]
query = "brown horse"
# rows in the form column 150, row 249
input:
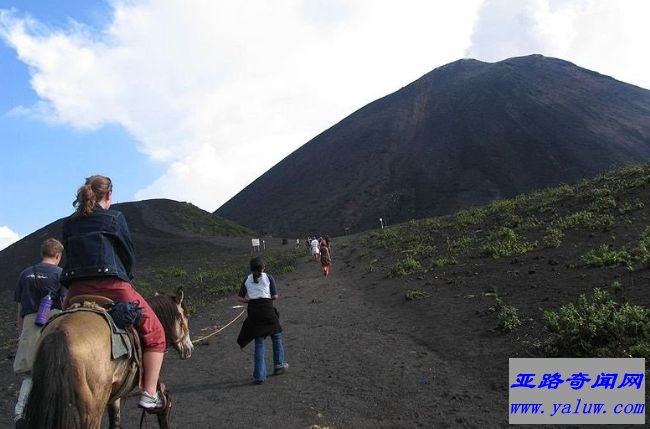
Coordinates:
column 74, row 376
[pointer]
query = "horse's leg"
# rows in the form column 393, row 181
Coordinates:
column 114, row 415
column 92, row 412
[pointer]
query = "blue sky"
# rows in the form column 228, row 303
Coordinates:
column 192, row 100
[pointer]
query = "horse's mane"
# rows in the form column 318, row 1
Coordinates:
column 165, row 308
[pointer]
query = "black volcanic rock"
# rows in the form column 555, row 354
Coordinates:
column 460, row 136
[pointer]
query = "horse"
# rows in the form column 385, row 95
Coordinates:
column 75, row 377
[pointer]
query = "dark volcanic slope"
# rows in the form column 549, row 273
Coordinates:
column 162, row 231
column 460, row 136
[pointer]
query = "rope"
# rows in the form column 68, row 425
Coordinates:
column 198, row 340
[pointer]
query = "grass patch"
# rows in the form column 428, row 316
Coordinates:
column 443, row 262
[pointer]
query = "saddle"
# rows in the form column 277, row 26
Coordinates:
column 101, row 304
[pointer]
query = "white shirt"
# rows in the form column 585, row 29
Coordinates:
column 261, row 289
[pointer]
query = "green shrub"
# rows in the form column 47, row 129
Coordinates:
column 597, row 327
column 509, row 220
column 603, row 203
column 531, row 222
column 550, row 196
column 405, row 266
column 470, row 216
column 587, row 220
column 617, row 286
column 505, row 242
column 423, row 250
column 644, row 241
column 596, row 193
column 640, row 349
column 604, row 256
column 503, row 206
column 553, row 237
column 641, row 252
column 627, row 207
column 460, row 245
column 432, row 224
column 507, row 316
column 385, row 238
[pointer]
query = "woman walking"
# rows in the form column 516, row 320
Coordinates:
column 258, row 291
column 325, row 258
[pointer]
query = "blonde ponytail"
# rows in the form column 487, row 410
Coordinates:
column 93, row 191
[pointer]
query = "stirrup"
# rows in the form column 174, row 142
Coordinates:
column 164, row 395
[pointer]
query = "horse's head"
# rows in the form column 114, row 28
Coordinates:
column 174, row 317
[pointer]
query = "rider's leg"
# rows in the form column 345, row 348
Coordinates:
column 152, row 362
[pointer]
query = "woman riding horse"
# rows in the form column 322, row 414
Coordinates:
column 99, row 259
column 76, row 377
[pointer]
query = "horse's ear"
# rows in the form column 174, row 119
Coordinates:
column 179, row 295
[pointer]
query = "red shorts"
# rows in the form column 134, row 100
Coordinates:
column 150, row 329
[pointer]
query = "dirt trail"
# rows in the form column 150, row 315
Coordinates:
column 360, row 357
column 354, row 364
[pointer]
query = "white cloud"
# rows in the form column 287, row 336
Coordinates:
column 221, row 90
column 7, row 237
column 608, row 36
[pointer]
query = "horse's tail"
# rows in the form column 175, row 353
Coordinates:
column 51, row 403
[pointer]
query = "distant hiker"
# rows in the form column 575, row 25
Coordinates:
column 34, row 283
column 258, row 291
column 315, row 250
column 325, row 241
column 297, row 243
column 325, row 258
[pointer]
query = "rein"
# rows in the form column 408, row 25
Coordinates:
column 198, row 340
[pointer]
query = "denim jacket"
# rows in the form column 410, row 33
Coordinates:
column 98, row 245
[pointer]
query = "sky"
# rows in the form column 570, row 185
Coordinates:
column 192, row 100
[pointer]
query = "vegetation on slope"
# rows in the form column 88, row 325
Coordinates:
column 206, row 282
column 609, row 210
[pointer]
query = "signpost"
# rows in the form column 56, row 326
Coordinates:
column 255, row 242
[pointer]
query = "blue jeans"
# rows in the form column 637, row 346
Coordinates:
column 259, row 373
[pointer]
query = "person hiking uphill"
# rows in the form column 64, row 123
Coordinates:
column 315, row 249
column 258, row 291
column 325, row 257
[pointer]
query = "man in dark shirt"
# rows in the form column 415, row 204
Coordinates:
column 34, row 283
